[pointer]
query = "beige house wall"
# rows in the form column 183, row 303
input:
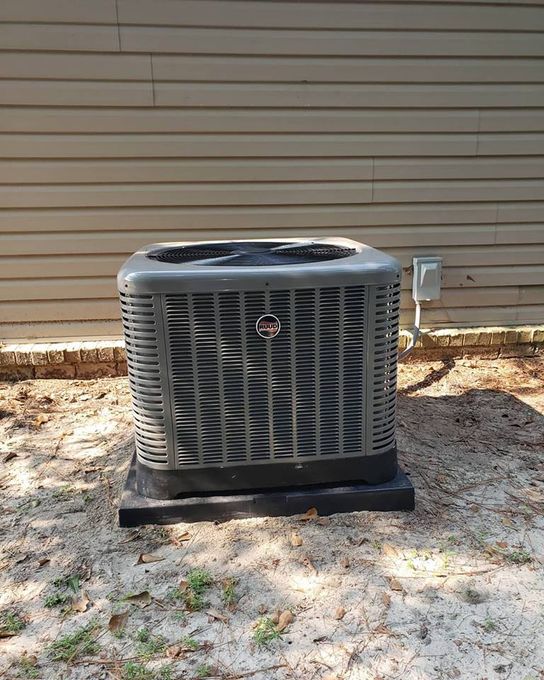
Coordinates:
column 414, row 127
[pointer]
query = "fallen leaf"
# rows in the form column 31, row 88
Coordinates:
column 173, row 651
column 339, row 613
column 386, row 599
column 40, row 419
column 132, row 536
column 10, row 456
column 311, row 513
column 182, row 538
column 262, row 609
column 118, row 622
column 148, row 558
column 388, row 550
column 183, row 585
column 81, row 603
column 142, row 599
column 345, row 563
column 214, row 614
column 275, row 617
column 382, row 629
column 6, row 633
column 307, row 562
column 295, row 539
column 507, row 522
column 323, row 521
column 395, row 584
column 502, row 544
column 284, row 620
column 43, row 561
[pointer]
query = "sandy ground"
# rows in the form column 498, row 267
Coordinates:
column 452, row 590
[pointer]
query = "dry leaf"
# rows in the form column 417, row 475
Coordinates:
column 307, row 562
column 262, row 609
column 147, row 558
column 388, row 550
column 173, row 651
column 43, row 561
column 183, row 585
column 275, row 616
column 502, row 544
column 10, row 456
column 339, row 613
column 214, row 614
column 395, row 584
column 284, row 620
column 182, row 538
column 132, row 536
column 344, row 563
column 6, row 633
column 40, row 419
column 81, row 604
column 311, row 513
column 386, row 599
column 295, row 540
column 323, row 521
column 382, row 629
column 142, row 599
column 117, row 622
column 507, row 522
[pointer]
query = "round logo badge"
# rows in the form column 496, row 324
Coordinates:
column 268, row 326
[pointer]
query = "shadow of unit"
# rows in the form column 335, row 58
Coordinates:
column 134, row 510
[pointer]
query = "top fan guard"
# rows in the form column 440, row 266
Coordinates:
column 251, row 253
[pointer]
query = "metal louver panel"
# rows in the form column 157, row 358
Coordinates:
column 384, row 372
column 239, row 398
column 141, row 345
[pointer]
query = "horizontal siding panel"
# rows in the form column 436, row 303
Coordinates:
column 325, row 43
column 229, row 219
column 350, row 95
column 59, row 37
column 474, row 255
column 531, row 295
column 183, row 170
column 59, row 310
column 476, row 277
column 62, row 330
column 478, row 297
column 508, row 167
column 75, row 66
column 185, row 194
column 262, row 193
column 482, row 316
column 521, row 212
column 520, row 233
column 94, row 119
column 458, row 190
column 371, row 15
column 345, row 69
column 116, row 146
column 70, row 93
column 62, row 11
column 512, row 120
column 505, row 144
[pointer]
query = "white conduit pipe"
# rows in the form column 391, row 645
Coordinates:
column 415, row 333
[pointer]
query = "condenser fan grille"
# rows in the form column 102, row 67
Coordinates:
column 252, row 253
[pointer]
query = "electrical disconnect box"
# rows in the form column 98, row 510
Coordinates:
column 427, row 278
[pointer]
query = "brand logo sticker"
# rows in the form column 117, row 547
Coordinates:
column 268, row 326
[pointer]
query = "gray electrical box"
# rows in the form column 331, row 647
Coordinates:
column 427, row 278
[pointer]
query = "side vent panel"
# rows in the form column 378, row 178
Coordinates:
column 141, row 345
column 384, row 373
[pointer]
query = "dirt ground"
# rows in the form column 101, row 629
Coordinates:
column 452, row 590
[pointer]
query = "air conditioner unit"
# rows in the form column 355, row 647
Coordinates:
column 259, row 364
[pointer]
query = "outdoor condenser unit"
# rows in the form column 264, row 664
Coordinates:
column 259, row 364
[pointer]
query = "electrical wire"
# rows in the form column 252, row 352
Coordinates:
column 415, row 333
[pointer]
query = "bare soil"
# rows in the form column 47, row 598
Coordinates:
column 452, row 590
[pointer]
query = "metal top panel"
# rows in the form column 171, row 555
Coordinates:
column 141, row 275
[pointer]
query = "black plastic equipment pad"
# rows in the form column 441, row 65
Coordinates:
column 398, row 494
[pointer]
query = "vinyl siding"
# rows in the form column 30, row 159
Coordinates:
column 416, row 127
